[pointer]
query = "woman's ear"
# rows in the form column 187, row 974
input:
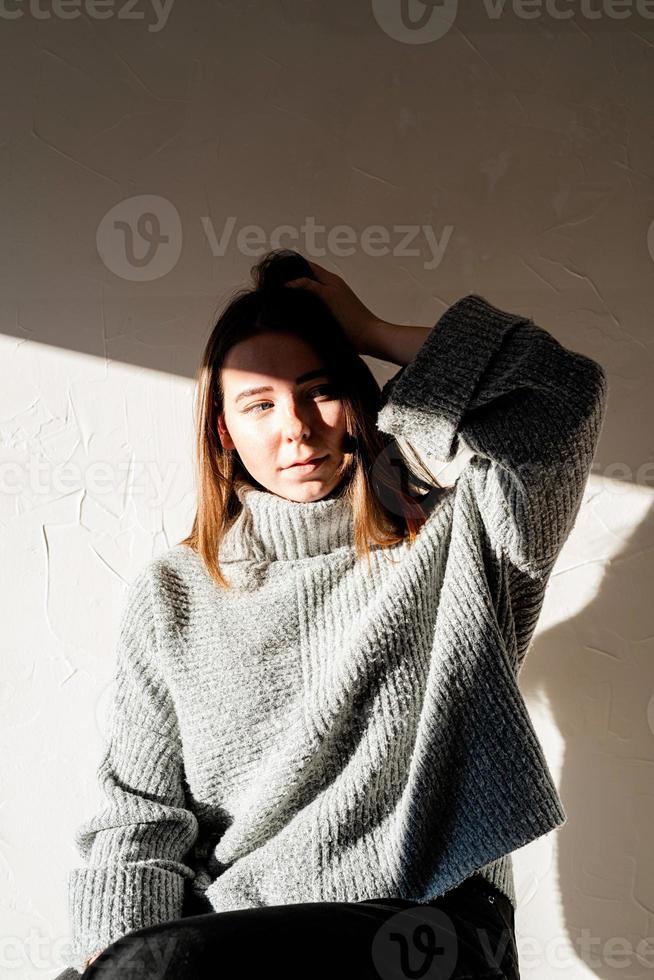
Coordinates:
column 226, row 440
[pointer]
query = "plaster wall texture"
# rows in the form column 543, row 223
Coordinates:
column 502, row 154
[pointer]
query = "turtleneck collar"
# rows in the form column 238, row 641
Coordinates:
column 271, row 528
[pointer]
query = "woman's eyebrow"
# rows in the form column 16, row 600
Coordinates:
column 317, row 373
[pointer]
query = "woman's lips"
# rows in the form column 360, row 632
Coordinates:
column 307, row 467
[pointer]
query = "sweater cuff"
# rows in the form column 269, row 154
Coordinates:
column 429, row 396
column 105, row 904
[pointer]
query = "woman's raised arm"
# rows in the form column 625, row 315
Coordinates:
column 529, row 408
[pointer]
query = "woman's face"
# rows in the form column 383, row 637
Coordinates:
column 298, row 415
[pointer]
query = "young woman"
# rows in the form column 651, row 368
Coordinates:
column 320, row 759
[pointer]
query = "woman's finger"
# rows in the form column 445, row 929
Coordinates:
column 325, row 275
column 304, row 281
column 320, row 270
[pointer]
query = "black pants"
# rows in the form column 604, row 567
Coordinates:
column 466, row 933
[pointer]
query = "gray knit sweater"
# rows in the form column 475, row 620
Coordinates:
column 329, row 733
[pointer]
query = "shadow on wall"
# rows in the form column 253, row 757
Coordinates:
column 595, row 670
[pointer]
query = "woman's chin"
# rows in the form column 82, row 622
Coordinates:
column 303, row 486
column 307, row 491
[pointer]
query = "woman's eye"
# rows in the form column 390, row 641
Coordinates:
column 328, row 389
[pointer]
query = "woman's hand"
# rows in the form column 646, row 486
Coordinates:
column 358, row 323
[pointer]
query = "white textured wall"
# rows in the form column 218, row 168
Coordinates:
column 507, row 152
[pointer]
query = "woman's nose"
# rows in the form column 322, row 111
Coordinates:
column 294, row 419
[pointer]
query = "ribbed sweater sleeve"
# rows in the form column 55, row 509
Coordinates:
column 530, row 409
column 134, row 847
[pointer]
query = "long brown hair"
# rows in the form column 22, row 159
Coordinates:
column 374, row 475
